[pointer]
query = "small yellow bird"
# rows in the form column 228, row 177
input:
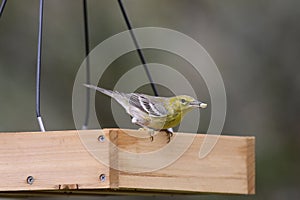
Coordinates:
column 158, row 113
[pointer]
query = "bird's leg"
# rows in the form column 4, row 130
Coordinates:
column 151, row 133
column 169, row 132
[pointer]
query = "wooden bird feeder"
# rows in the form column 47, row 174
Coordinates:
column 116, row 161
column 56, row 162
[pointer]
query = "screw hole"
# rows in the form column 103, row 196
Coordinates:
column 30, row 180
column 102, row 177
column 101, row 138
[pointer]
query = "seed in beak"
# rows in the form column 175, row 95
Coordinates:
column 203, row 105
column 198, row 104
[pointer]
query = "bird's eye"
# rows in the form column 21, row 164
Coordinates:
column 183, row 100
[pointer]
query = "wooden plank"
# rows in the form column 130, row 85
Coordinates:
column 132, row 164
column 55, row 159
column 251, row 165
column 229, row 168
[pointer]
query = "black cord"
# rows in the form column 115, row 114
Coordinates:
column 2, row 7
column 87, row 50
column 38, row 68
column 138, row 49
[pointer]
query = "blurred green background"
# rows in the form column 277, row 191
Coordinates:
column 255, row 45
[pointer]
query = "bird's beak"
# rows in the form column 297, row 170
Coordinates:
column 198, row 104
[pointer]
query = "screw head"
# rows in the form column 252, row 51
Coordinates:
column 102, row 177
column 101, row 138
column 30, row 180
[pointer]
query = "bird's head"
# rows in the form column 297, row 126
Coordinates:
column 187, row 103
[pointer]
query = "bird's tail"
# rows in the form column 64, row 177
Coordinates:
column 104, row 91
column 121, row 98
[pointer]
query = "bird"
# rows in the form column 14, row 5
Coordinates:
column 153, row 112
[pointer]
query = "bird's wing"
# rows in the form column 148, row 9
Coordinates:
column 151, row 106
column 147, row 104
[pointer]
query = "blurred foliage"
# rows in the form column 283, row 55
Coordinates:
column 255, row 44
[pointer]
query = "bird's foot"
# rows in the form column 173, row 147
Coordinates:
column 169, row 133
column 143, row 129
column 150, row 132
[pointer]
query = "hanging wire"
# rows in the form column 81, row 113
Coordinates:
column 138, row 49
column 87, row 50
column 38, row 69
column 2, row 7
column 140, row 53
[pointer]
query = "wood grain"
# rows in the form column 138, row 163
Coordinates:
column 228, row 168
column 56, row 160
column 74, row 160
